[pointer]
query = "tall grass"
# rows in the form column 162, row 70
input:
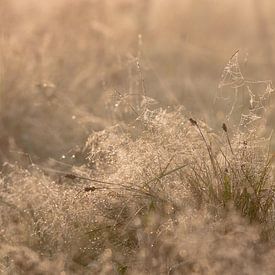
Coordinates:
column 162, row 194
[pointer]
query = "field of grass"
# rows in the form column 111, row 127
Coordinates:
column 136, row 137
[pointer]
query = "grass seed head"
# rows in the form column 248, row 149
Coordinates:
column 224, row 127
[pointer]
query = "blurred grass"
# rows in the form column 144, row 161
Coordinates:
column 61, row 58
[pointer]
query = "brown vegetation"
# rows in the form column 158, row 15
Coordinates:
column 103, row 171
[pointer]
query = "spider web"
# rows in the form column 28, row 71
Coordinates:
column 232, row 75
column 246, row 99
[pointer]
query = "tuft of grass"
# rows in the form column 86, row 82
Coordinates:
column 143, row 195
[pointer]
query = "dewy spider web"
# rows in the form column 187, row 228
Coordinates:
column 232, row 75
column 254, row 103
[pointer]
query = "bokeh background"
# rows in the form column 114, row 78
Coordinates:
column 62, row 61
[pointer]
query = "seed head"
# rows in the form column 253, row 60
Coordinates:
column 193, row 121
column 224, row 127
column 89, row 189
column 71, row 176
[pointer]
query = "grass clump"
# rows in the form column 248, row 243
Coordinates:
column 237, row 173
column 165, row 193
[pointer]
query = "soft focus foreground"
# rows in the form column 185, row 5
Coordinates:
column 103, row 169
